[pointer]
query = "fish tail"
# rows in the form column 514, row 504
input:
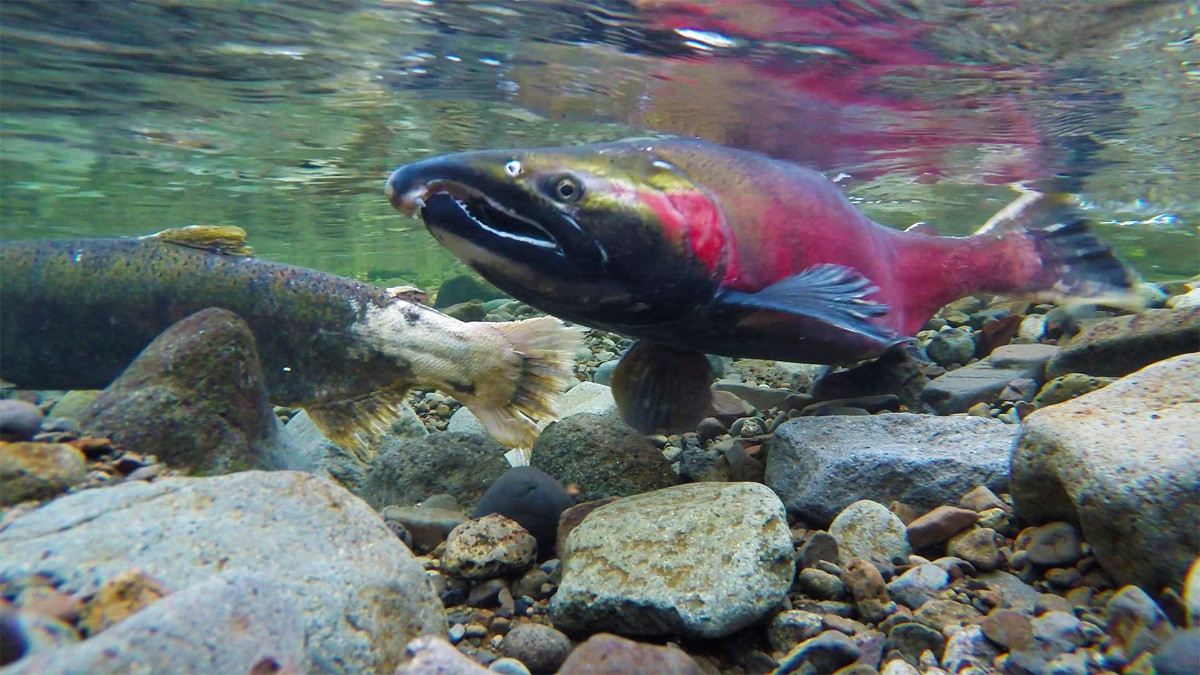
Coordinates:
column 546, row 350
column 1052, row 255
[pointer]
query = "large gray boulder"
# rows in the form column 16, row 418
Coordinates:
column 820, row 465
column 1124, row 464
column 701, row 560
column 254, row 622
column 1120, row 345
column 360, row 593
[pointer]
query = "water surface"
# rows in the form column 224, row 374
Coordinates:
column 123, row 118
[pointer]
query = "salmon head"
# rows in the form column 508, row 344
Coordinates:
column 609, row 234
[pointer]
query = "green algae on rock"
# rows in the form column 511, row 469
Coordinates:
column 196, row 398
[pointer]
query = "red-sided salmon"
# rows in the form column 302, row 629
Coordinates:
column 693, row 247
column 74, row 313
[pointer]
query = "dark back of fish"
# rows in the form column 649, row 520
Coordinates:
column 74, row 314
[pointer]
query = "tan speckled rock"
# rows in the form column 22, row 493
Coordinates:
column 119, row 597
column 699, row 560
column 38, row 470
column 487, row 548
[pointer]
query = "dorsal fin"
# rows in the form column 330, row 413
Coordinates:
column 223, row 239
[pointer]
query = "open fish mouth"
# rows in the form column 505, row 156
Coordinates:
column 454, row 205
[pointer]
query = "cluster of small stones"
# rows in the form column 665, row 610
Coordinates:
column 968, row 329
column 41, row 456
column 956, row 590
column 433, row 408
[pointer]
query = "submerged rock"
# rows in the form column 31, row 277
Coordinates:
column 1069, row 386
column 487, row 548
column 541, row 648
column 604, row 653
column 407, row 471
column 19, row 420
column 868, row 530
column 38, row 470
column 985, row 380
column 1124, row 463
column 897, row 372
column 602, row 456
column 252, row 619
column 433, row 655
column 698, row 560
column 464, row 288
column 1120, row 345
column 73, row 403
column 195, row 398
column 820, row 465
column 358, row 591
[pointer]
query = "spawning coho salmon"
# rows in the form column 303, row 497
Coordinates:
column 693, row 247
column 74, row 313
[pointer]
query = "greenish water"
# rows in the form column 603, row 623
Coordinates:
column 123, row 118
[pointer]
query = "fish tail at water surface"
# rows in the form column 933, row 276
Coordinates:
column 74, row 313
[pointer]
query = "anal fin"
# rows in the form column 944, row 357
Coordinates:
column 834, row 294
column 662, row 390
column 355, row 425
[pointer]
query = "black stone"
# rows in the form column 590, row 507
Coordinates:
column 531, row 497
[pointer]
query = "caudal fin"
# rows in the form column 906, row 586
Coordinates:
column 547, row 351
column 1075, row 266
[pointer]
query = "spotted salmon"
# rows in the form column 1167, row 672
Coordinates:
column 74, row 313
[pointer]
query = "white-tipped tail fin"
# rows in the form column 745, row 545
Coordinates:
column 519, row 456
column 547, row 351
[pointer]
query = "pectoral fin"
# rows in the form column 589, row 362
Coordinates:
column 662, row 390
column 834, row 294
column 356, row 424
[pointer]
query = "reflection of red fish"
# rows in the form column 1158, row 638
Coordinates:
column 864, row 87
column 694, row 248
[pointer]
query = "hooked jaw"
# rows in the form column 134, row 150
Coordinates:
column 451, row 205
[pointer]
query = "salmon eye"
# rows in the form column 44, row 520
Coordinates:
column 565, row 188
column 513, row 168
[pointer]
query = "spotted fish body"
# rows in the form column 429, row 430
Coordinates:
column 698, row 248
column 74, row 313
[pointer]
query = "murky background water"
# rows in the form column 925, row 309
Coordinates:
column 122, row 118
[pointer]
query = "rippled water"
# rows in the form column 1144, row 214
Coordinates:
column 122, row 118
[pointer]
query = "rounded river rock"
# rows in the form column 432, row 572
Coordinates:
column 697, row 560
